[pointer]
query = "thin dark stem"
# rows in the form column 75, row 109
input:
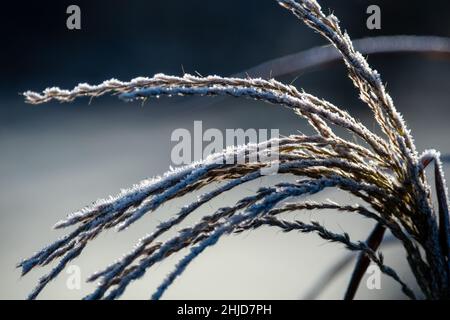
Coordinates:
column 373, row 242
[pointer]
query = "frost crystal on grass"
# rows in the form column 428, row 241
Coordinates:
column 385, row 171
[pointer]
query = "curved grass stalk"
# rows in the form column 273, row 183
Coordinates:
column 325, row 234
column 386, row 173
column 303, row 61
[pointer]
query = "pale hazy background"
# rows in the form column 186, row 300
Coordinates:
column 55, row 158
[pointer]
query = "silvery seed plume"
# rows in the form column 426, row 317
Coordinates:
column 384, row 170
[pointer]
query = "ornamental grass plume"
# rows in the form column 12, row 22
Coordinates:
column 385, row 171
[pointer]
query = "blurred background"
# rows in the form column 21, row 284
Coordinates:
column 56, row 158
